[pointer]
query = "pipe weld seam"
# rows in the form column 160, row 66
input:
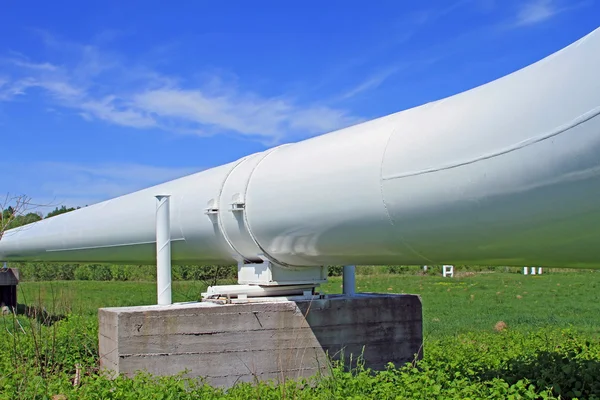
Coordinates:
column 526, row 143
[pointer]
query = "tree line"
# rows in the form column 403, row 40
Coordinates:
column 38, row 271
column 12, row 217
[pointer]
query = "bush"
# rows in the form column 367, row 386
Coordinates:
column 83, row 273
column 335, row 270
column 120, row 272
column 142, row 272
column 101, row 272
column 106, row 272
column 397, row 269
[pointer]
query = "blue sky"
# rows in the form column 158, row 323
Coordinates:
column 98, row 99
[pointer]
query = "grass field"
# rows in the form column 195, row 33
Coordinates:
column 550, row 348
column 450, row 305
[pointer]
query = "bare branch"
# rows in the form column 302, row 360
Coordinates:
column 14, row 206
column 11, row 207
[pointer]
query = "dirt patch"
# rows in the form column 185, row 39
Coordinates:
column 500, row 326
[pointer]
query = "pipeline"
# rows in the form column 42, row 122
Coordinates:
column 507, row 173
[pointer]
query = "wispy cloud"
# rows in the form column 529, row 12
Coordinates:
column 101, row 86
column 108, row 109
column 31, row 65
column 75, row 184
column 105, row 180
column 536, row 11
column 372, row 82
column 431, row 15
column 244, row 113
column 5, row 94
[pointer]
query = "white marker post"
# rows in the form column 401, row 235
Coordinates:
column 448, row 270
column 163, row 250
column 349, row 280
column 525, row 270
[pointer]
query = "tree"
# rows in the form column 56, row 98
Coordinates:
column 61, row 210
column 16, row 211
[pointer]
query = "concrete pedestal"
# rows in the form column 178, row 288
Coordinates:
column 271, row 338
column 9, row 279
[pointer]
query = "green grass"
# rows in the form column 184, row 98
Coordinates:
column 550, row 350
column 85, row 297
column 450, row 305
column 478, row 302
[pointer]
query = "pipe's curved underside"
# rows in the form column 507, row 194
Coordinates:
column 507, row 173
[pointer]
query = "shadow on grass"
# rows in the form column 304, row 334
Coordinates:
column 567, row 375
column 40, row 314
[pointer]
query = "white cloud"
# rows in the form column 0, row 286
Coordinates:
column 9, row 89
column 536, row 11
column 243, row 113
column 99, row 86
column 58, row 88
column 62, row 90
column 106, row 110
column 26, row 64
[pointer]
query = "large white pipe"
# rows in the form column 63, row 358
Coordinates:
column 163, row 250
column 507, row 173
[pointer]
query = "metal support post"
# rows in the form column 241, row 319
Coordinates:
column 163, row 250
column 349, row 280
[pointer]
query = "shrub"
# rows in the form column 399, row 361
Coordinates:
column 397, row 269
column 83, row 273
column 335, row 270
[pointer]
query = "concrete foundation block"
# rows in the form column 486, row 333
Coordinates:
column 275, row 339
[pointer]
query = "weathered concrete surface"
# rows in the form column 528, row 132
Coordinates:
column 9, row 279
column 271, row 340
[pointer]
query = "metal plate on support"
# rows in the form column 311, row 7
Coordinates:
column 246, row 291
column 270, row 274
